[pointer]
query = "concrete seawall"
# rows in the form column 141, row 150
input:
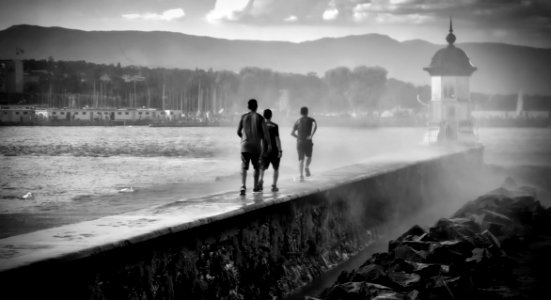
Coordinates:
column 229, row 247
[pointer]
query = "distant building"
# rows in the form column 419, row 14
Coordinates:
column 42, row 114
column 169, row 114
column 125, row 115
column 81, row 114
column 145, row 114
column 450, row 115
column 20, row 114
column 11, row 76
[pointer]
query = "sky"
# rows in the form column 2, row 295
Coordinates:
column 521, row 22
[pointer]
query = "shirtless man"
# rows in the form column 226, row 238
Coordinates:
column 252, row 131
column 304, row 130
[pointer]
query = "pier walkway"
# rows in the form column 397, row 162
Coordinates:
column 74, row 242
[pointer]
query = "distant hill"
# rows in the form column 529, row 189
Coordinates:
column 502, row 68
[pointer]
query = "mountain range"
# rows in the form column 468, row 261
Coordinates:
column 502, row 68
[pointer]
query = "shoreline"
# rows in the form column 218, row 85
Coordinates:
column 342, row 122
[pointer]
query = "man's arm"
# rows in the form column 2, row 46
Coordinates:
column 240, row 128
column 266, row 136
column 278, row 142
column 294, row 131
column 314, row 128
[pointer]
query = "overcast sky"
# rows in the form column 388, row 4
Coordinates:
column 525, row 22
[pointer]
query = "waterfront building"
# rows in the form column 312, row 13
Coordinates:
column 21, row 113
column 42, row 114
column 170, row 114
column 11, row 115
column 98, row 114
column 80, row 114
column 58, row 114
column 125, row 114
column 145, row 114
column 450, row 115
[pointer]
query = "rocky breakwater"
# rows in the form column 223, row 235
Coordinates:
column 496, row 247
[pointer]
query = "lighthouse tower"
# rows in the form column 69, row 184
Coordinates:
column 450, row 116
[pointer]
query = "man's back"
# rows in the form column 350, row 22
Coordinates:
column 303, row 126
column 252, row 132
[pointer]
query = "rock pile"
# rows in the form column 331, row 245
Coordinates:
column 479, row 253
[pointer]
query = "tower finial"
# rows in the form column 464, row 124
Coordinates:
column 451, row 37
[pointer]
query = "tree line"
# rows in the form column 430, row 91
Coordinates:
column 339, row 90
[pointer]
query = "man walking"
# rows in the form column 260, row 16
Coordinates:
column 304, row 130
column 252, row 131
column 274, row 156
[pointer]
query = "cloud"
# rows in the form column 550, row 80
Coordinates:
column 330, row 14
column 388, row 12
column 227, row 10
column 267, row 11
column 521, row 17
column 167, row 15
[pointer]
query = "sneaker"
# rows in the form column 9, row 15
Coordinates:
column 242, row 191
column 275, row 188
column 257, row 190
column 261, row 185
column 307, row 171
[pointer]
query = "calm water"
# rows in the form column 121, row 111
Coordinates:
column 76, row 173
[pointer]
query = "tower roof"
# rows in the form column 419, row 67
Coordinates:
column 450, row 61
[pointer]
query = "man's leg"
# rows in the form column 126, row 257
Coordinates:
column 255, row 160
column 276, row 176
column 243, row 177
column 264, row 163
column 244, row 167
column 275, row 160
column 308, row 153
column 261, row 175
column 256, row 175
column 300, row 149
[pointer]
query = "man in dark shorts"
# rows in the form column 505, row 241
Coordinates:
column 274, row 156
column 304, row 130
column 252, row 131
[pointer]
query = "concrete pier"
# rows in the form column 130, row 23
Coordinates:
column 225, row 246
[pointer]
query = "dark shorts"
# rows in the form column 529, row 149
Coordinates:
column 254, row 158
column 272, row 159
column 304, row 148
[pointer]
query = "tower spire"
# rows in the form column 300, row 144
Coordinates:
column 451, row 37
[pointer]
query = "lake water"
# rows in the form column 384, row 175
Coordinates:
column 76, row 173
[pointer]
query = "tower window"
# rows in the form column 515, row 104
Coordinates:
column 449, row 91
